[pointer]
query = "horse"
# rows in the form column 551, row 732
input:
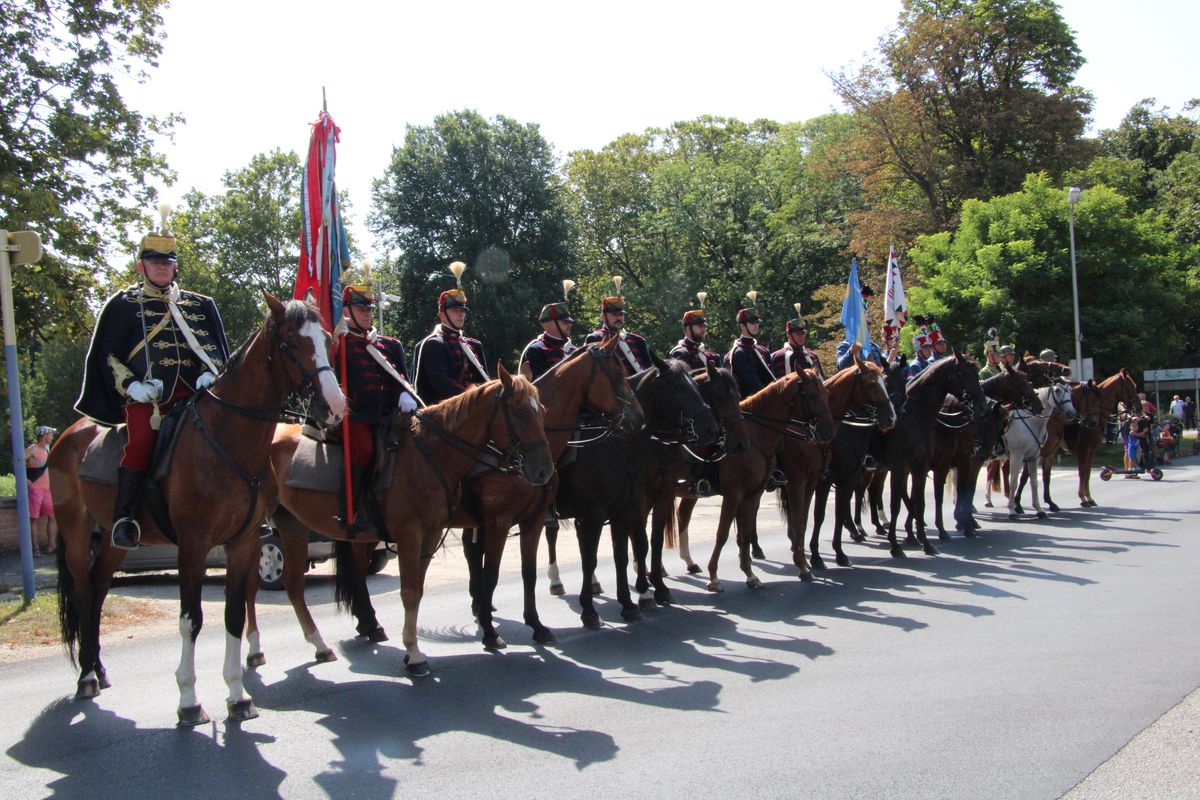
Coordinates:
column 858, row 399
column 965, row 446
column 908, row 446
column 673, row 462
column 438, row 447
column 1042, row 373
column 219, row 488
column 873, row 478
column 775, row 411
column 607, row 480
column 1026, row 435
column 1096, row 406
column 499, row 499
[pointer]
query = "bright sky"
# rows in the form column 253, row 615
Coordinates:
column 248, row 75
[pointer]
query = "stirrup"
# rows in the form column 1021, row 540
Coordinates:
column 869, row 462
column 777, row 480
column 128, row 540
column 697, row 489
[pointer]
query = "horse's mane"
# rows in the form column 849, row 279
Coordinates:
column 843, row 375
column 457, row 411
column 295, row 313
column 776, row 388
column 926, row 376
column 574, row 354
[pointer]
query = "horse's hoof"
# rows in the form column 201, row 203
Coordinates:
column 714, row 586
column 1013, row 516
column 1091, row 503
column 842, row 560
column 543, row 635
column 557, row 589
column 693, row 569
column 662, row 597
column 647, row 603
column 192, row 716
column 970, row 534
column 816, row 562
column 930, row 550
column 1043, row 515
column 255, row 660
column 806, row 577
column 87, row 689
column 754, row 582
column 911, row 541
column 757, row 552
column 597, row 588
column 418, row 669
column 898, row 552
column 862, row 531
column 858, row 537
column 325, row 657
column 945, row 537
column 591, row 620
column 1053, row 507
column 494, row 642
column 242, row 710
column 1018, row 509
column 631, row 613
column 987, row 503
column 102, row 677
column 377, row 635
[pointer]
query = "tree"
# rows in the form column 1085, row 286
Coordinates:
column 966, row 98
column 487, row 193
column 1008, row 265
column 75, row 160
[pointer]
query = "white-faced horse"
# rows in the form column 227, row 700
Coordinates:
column 1027, row 433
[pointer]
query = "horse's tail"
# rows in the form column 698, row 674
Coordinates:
column 669, row 532
column 993, row 476
column 68, row 613
column 345, row 575
column 781, row 500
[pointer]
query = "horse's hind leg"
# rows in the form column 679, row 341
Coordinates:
column 531, row 534
column 587, row 531
column 242, row 555
column 293, row 538
column 191, row 620
column 93, row 677
column 728, row 510
column 818, row 518
column 495, row 534
column 683, row 518
column 1045, row 462
column 747, row 513
column 660, row 517
column 622, row 536
column 254, row 653
column 556, row 585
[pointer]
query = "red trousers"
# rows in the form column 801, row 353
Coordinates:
column 362, row 444
column 140, row 447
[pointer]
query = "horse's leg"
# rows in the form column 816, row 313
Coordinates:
column 660, row 517
column 747, row 517
column 413, row 564
column 254, row 652
column 495, row 534
column 841, row 517
column 191, row 619
column 898, row 478
column 556, row 585
column 875, row 500
column 818, row 518
column 683, row 519
column 1087, row 452
column 622, row 535
column 1030, row 471
column 587, row 531
column 860, row 492
column 729, row 503
column 89, row 596
column 939, row 495
column 990, row 478
column 473, row 549
column 1045, row 462
column 799, row 495
column 531, row 534
column 293, row 538
column 241, row 558
column 1014, row 501
column 918, row 508
column 640, row 540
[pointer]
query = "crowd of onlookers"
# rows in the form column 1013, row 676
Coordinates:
column 1150, row 438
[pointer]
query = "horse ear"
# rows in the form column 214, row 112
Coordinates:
column 609, row 343
column 858, row 362
column 526, row 370
column 273, row 303
column 659, row 363
column 711, row 370
column 505, row 378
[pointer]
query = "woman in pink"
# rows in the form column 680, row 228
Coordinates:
column 41, row 508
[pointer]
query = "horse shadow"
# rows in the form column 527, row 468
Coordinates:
column 108, row 754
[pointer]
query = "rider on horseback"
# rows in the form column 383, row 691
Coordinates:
column 554, row 343
column 635, row 353
column 795, row 355
column 690, row 349
column 847, row 350
column 375, row 384
column 749, row 362
column 154, row 345
column 448, row 363
column 923, row 345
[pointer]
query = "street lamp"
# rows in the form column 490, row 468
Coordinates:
column 1072, row 201
column 386, row 300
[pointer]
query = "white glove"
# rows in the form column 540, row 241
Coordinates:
column 143, row 391
column 205, row 380
column 342, row 328
column 407, row 402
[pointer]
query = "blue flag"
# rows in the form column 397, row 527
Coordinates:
column 854, row 313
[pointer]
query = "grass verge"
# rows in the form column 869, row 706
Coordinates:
column 37, row 623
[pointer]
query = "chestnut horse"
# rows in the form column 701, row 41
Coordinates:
column 218, row 490
column 859, row 401
column 443, row 443
column 796, row 406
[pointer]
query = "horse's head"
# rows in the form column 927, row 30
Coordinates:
column 1059, row 400
column 1088, row 403
column 1127, row 391
column 870, row 391
column 895, row 377
column 965, row 382
column 810, row 404
column 1018, row 390
column 613, row 397
column 672, row 402
column 520, row 430
column 1042, row 373
column 720, row 393
column 302, row 345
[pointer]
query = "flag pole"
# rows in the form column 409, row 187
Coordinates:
column 346, row 439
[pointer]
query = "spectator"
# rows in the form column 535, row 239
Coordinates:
column 1148, row 407
column 41, row 508
column 1139, row 431
column 1177, row 407
column 1189, row 413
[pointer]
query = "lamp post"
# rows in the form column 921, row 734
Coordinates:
column 1072, row 201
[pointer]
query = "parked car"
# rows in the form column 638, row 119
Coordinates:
column 154, row 558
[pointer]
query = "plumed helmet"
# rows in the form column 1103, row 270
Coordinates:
column 555, row 311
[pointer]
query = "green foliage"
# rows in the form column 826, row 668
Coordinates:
column 487, row 193
column 1008, row 265
column 76, row 161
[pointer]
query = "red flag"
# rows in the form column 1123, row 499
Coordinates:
column 323, row 248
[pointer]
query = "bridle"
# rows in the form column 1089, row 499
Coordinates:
column 601, row 360
column 866, row 414
column 489, row 455
column 684, row 431
column 808, row 429
column 725, row 427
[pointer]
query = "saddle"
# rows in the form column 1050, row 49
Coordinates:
column 318, row 466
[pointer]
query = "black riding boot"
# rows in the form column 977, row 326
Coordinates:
column 360, row 488
column 125, row 532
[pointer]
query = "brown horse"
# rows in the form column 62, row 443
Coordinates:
column 218, row 490
column 443, row 443
column 589, row 378
column 796, row 405
column 860, row 404
column 1095, row 405
column 672, row 462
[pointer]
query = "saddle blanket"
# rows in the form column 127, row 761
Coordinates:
column 103, row 455
column 317, row 466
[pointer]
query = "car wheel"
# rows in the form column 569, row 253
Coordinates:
column 379, row 560
column 270, row 564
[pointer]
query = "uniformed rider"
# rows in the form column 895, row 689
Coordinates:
column 376, row 383
column 447, row 361
column 795, row 355
column 747, row 359
column 635, row 353
column 154, row 345
column 554, row 343
column 690, row 349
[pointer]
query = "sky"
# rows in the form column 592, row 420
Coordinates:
column 248, row 76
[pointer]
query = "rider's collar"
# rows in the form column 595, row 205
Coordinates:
column 692, row 342
column 369, row 334
column 152, row 292
column 448, row 330
column 747, row 339
column 553, row 340
column 610, row 331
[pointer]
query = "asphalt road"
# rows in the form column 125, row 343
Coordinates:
column 1011, row 666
